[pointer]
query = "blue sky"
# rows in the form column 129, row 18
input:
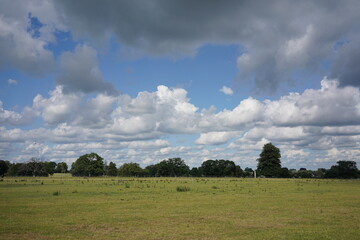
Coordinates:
column 143, row 81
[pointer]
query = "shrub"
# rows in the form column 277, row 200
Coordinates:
column 182, row 189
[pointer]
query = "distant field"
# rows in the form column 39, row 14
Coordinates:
column 64, row 207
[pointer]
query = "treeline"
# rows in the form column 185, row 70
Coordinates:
column 92, row 164
column 34, row 167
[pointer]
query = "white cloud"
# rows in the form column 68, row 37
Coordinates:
column 226, row 90
column 281, row 134
column 96, row 113
column 59, row 107
column 329, row 106
column 249, row 111
column 292, row 153
column 12, row 81
column 215, row 138
column 164, row 111
column 14, row 118
column 159, row 143
column 245, row 144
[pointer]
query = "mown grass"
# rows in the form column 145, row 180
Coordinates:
column 63, row 207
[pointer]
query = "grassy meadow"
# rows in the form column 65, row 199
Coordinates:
column 65, row 207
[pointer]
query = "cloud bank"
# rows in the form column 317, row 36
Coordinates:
column 125, row 127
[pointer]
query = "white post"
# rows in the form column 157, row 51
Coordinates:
column 254, row 173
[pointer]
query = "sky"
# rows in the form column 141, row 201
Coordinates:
column 142, row 81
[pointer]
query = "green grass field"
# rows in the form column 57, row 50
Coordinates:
column 64, row 207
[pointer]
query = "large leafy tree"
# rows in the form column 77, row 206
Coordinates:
column 269, row 164
column 4, row 166
column 88, row 165
column 131, row 170
column 173, row 167
column 151, row 170
column 61, row 167
column 195, row 172
column 34, row 167
column 220, row 168
column 14, row 169
column 50, row 167
column 343, row 169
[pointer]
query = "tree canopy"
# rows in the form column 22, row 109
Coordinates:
column 61, row 167
column 88, row 165
column 4, row 167
column 111, row 169
column 269, row 164
column 220, row 168
column 343, row 169
column 131, row 170
column 173, row 167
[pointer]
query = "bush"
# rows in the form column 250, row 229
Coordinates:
column 182, row 189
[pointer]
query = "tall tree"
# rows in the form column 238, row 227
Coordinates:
column 61, row 167
column 151, row 170
column 131, row 170
column 220, row 168
column 50, row 167
column 34, row 167
column 269, row 164
column 173, row 167
column 14, row 169
column 111, row 169
column 4, row 166
column 195, row 172
column 88, row 165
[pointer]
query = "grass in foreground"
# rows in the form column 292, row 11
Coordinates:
column 63, row 207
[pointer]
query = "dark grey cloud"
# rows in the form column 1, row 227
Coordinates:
column 80, row 72
column 346, row 67
column 279, row 37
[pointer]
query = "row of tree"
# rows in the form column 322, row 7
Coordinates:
column 269, row 165
column 32, row 168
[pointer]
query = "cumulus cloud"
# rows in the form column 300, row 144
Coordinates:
column 159, row 143
column 215, row 138
column 96, row 113
column 226, row 90
column 59, row 107
column 249, row 111
column 14, row 118
column 122, row 127
column 80, row 72
column 164, row 111
column 328, row 106
column 281, row 134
